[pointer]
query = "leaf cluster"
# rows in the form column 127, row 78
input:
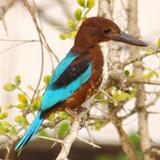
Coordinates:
column 26, row 106
column 80, row 14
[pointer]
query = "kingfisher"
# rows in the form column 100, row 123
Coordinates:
column 80, row 73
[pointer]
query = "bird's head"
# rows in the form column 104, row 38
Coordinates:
column 98, row 29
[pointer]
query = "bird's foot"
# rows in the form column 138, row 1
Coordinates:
column 84, row 119
column 72, row 113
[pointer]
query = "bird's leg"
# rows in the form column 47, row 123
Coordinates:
column 74, row 114
column 71, row 112
column 84, row 119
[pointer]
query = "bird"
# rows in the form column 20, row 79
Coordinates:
column 79, row 75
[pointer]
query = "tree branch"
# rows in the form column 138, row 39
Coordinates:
column 138, row 58
column 4, row 6
column 138, row 70
column 72, row 136
column 116, row 73
column 127, row 146
column 143, row 81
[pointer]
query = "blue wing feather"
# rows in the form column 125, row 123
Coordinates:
column 62, row 66
column 55, row 95
column 33, row 128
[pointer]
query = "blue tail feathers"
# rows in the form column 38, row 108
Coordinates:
column 31, row 131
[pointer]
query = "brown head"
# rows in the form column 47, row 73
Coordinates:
column 98, row 29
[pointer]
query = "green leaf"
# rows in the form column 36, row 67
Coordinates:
column 63, row 36
column 149, row 51
column 8, row 106
column 22, row 121
column 158, row 43
column 51, row 117
column 90, row 4
column 63, row 128
column 22, row 98
column 82, row 3
column 12, row 131
column 22, row 106
column 135, row 139
column 100, row 97
column 126, row 73
column 43, row 133
column 71, row 24
column 99, row 124
column 46, row 79
column 121, row 96
column 72, row 34
column 148, row 75
column 36, row 103
column 17, row 80
column 4, row 127
column 9, row 87
column 78, row 14
column 63, row 115
column 3, row 115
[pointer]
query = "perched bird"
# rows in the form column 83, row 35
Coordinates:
column 79, row 74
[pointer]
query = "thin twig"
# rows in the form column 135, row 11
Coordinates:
column 16, row 45
column 44, row 41
column 19, row 40
column 50, row 139
column 143, row 81
column 31, row 10
column 87, row 142
column 138, row 58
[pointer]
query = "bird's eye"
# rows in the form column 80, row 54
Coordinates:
column 106, row 30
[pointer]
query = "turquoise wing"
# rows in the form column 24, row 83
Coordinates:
column 78, row 75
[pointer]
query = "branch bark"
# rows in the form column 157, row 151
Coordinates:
column 127, row 146
column 138, row 70
column 72, row 136
column 4, row 6
column 68, row 141
column 116, row 73
column 143, row 81
column 104, row 8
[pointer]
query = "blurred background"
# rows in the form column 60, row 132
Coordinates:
column 25, row 60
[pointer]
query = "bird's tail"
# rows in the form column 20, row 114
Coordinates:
column 31, row 131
